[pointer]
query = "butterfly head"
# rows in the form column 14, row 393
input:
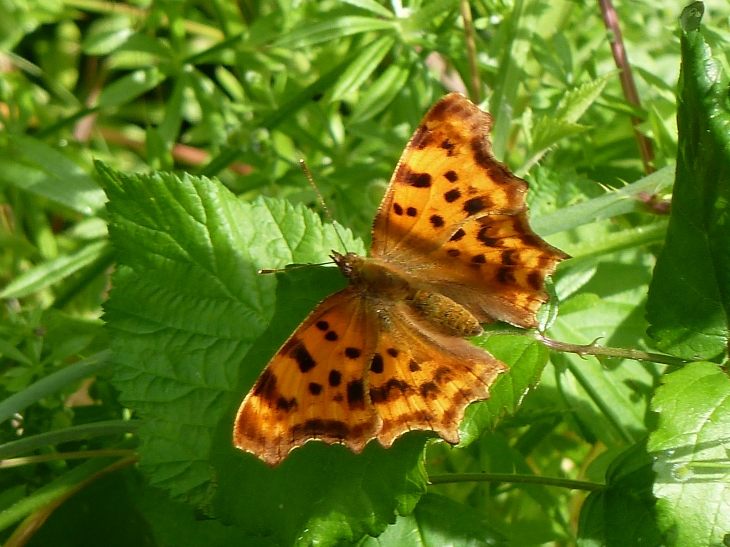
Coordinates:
column 349, row 264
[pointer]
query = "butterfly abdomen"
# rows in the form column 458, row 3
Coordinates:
column 447, row 314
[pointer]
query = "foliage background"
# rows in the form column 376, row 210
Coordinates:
column 240, row 91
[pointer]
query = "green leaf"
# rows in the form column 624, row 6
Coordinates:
column 188, row 296
column 131, row 86
column 332, row 30
column 526, row 359
column 438, row 521
column 50, row 272
column 372, row 6
column 689, row 297
column 362, row 67
column 562, row 122
column 691, row 455
column 627, row 500
column 614, row 203
column 35, row 167
column 381, row 93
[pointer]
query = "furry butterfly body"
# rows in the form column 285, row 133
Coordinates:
column 451, row 250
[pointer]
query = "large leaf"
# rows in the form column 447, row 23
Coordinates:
column 691, row 456
column 689, row 298
column 187, row 305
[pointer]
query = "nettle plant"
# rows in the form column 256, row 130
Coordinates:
column 610, row 426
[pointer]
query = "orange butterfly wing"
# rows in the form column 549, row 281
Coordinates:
column 451, row 249
column 314, row 387
column 423, row 379
column 455, row 218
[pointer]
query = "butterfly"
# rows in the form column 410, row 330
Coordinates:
column 451, row 250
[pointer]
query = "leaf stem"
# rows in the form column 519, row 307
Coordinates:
column 594, row 349
column 515, row 479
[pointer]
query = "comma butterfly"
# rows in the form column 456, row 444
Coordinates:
column 452, row 249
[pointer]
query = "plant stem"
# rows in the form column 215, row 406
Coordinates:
column 594, row 349
column 627, row 79
column 516, row 479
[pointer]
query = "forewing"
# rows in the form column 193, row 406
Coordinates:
column 314, row 387
column 455, row 218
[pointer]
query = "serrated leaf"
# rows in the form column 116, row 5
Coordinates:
column 526, row 359
column 689, row 296
column 188, row 303
column 562, row 122
column 627, row 500
column 690, row 447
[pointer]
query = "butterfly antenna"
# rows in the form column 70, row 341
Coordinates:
column 295, row 267
column 304, row 167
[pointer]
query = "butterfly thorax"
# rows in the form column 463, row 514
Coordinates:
column 382, row 280
column 373, row 275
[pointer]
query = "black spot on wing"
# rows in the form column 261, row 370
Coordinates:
column 458, row 235
column 315, row 388
column 376, row 365
column 323, row 325
column 411, row 178
column 448, row 146
column 335, row 378
column 295, row 349
column 428, row 389
column 452, row 195
column 505, row 275
column 392, row 388
column 285, row 404
column 451, row 176
column 411, row 211
column 475, row 205
column 534, row 279
column 397, row 209
column 356, row 394
column 352, row 353
column 508, row 257
column 437, row 221
column 485, row 239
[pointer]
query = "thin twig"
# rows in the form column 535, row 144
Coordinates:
column 627, row 79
